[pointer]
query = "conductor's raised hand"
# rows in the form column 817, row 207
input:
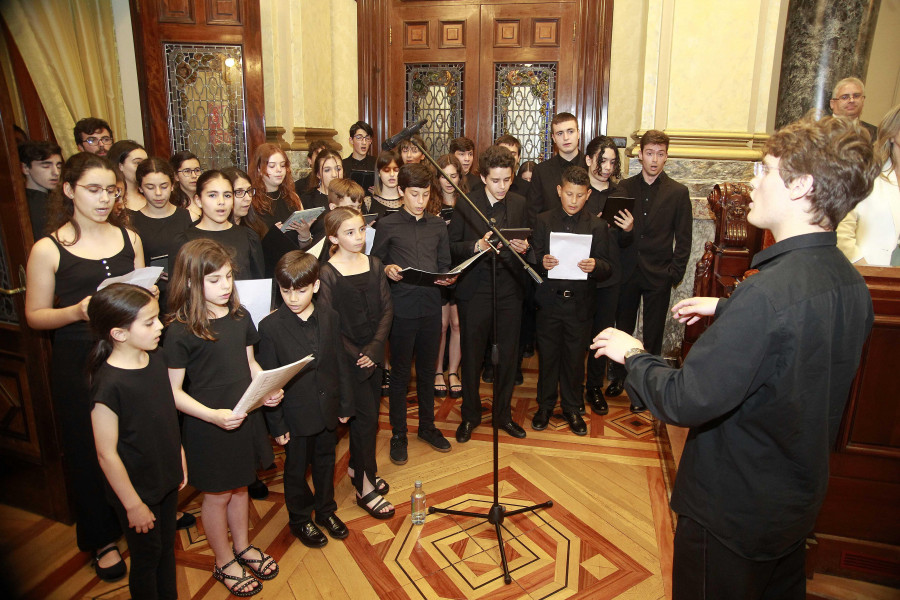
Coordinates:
column 393, row 272
column 624, row 219
column 275, row 399
column 226, row 419
column 549, row 261
column 614, row 343
column 691, row 310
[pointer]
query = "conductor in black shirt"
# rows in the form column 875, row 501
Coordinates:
column 651, row 267
column 764, row 388
column 468, row 235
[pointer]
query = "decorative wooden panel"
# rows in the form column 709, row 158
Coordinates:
column 223, row 12
column 17, row 426
column 177, row 11
column 545, row 33
column 506, row 33
column 415, row 35
column 453, row 34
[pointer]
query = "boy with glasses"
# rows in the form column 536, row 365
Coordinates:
column 360, row 141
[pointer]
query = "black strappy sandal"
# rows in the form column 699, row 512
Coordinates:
column 264, row 561
column 239, row 588
column 363, row 503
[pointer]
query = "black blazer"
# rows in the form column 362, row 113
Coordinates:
column 669, row 219
column 466, row 227
column 325, row 381
column 584, row 290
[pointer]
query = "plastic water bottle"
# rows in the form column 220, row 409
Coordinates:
column 417, row 501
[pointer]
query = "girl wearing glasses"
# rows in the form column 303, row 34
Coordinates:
column 126, row 156
column 187, row 170
column 88, row 244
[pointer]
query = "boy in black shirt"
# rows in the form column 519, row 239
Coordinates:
column 360, row 141
column 41, row 164
column 413, row 237
column 566, row 306
column 315, row 399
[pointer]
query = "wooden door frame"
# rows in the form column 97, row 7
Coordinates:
column 594, row 30
column 154, row 108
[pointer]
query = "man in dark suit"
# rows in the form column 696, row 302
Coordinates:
column 848, row 99
column 305, row 422
column 651, row 267
column 469, row 235
column 542, row 194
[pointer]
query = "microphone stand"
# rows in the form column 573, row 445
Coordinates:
column 497, row 513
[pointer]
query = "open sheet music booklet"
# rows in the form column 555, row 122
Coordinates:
column 420, row 277
column 267, row 383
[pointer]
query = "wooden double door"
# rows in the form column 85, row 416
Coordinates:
column 484, row 68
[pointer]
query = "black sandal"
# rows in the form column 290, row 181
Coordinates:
column 113, row 573
column 264, row 561
column 382, row 486
column 440, row 389
column 363, row 503
column 455, row 388
column 239, row 588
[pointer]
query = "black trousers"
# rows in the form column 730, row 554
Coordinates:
column 300, row 452
column 364, row 429
column 475, row 330
column 607, row 300
column 656, row 308
column 152, row 572
column 705, row 569
column 96, row 524
column 419, row 337
column 562, row 338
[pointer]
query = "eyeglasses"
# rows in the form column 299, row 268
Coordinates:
column 362, row 138
column 239, row 193
column 845, row 97
column 761, row 169
column 112, row 191
column 92, row 141
column 187, row 172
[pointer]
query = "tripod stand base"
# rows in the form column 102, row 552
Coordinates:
column 495, row 516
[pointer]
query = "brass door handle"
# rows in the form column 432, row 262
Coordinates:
column 17, row 290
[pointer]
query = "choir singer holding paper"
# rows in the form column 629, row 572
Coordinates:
column 566, row 306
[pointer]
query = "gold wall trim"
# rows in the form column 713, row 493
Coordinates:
column 721, row 145
column 275, row 135
column 304, row 135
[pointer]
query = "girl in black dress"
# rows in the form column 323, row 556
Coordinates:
column 357, row 288
column 159, row 221
column 210, row 343
column 274, row 198
column 136, row 433
column 187, row 170
column 87, row 245
column 215, row 197
column 387, row 194
column 328, row 166
column 126, row 156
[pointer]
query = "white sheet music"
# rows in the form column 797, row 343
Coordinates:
column 256, row 296
column 267, row 383
column 145, row 277
column 370, row 239
column 569, row 249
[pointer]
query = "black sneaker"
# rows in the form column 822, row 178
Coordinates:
column 435, row 439
column 258, row 490
column 398, row 449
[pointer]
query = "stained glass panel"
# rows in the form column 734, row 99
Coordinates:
column 525, row 102
column 435, row 92
column 8, row 312
column 205, row 90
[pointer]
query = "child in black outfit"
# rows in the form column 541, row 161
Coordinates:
column 566, row 306
column 314, row 401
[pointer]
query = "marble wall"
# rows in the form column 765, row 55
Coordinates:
column 825, row 41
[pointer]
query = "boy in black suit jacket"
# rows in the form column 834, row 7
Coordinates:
column 566, row 306
column 468, row 235
column 315, row 400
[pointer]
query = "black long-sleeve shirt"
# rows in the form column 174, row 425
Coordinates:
column 763, row 391
column 423, row 244
column 542, row 194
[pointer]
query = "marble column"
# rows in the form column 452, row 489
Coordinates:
column 824, row 41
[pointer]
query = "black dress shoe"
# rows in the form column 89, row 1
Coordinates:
column 615, row 387
column 487, row 375
column 528, row 351
column 541, row 419
column 520, row 378
column 309, row 534
column 513, row 429
column 576, row 423
column 185, row 521
column 581, row 410
column 464, row 431
column 258, row 490
column 334, row 526
column 597, row 401
column 636, row 408
column 114, row 572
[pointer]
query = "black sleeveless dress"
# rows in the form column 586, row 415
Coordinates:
column 77, row 278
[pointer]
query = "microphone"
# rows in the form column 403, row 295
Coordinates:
column 403, row 135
